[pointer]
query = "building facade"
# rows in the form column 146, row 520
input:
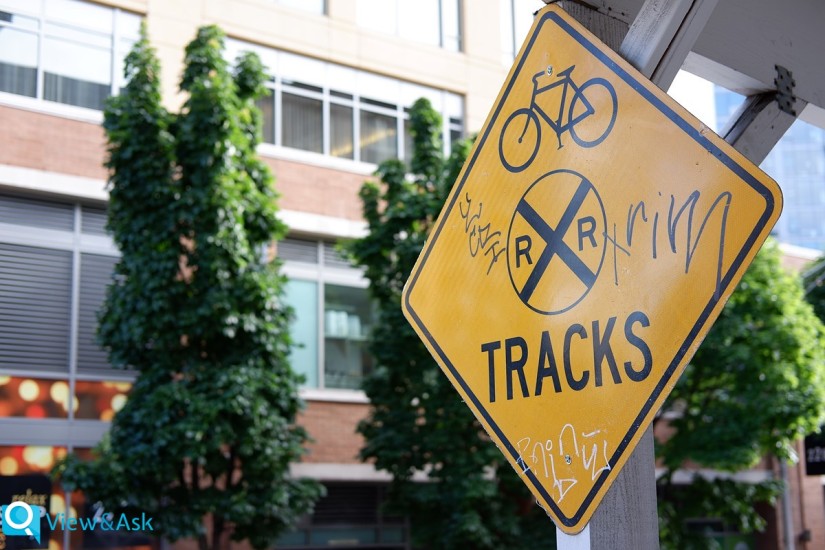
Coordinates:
column 343, row 75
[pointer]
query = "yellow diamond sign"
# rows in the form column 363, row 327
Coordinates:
column 592, row 238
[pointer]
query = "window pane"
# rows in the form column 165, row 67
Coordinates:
column 516, row 17
column 302, row 123
column 455, row 136
column 302, row 296
column 408, row 142
column 314, row 6
column 20, row 6
column 95, row 277
column 378, row 137
column 524, row 10
column 419, row 21
column 377, row 15
column 128, row 25
column 82, row 14
column 347, row 321
column 451, row 25
column 267, row 107
column 35, row 289
column 341, row 127
column 124, row 47
column 33, row 398
column 93, row 220
column 36, row 213
column 291, row 249
column 505, row 18
column 76, row 74
column 18, row 62
column 99, row 400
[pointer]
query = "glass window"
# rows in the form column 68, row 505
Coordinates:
column 35, row 298
column 76, row 74
column 267, row 107
column 451, row 25
column 347, row 321
column 341, row 132
column 302, row 296
column 78, row 60
column 435, row 22
column 81, row 14
column 333, row 315
column 377, row 15
column 33, row 398
column 516, row 17
column 340, row 111
column 303, row 123
column 53, row 279
column 99, row 400
column 18, row 61
column 313, row 6
column 420, row 21
column 408, row 141
column 378, row 137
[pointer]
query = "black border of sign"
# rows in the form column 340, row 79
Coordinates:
column 702, row 140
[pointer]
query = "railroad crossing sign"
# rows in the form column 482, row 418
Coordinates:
column 593, row 236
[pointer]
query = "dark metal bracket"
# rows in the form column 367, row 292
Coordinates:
column 785, row 83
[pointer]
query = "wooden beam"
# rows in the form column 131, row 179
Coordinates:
column 662, row 35
column 758, row 125
column 609, row 29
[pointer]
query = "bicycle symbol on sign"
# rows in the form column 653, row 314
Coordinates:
column 577, row 115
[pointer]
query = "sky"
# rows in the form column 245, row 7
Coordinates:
column 696, row 95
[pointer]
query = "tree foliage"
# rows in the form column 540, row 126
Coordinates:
column 756, row 385
column 208, row 432
column 418, row 423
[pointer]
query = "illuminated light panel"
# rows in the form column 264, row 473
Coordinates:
column 118, row 401
column 39, row 457
column 60, row 393
column 8, row 466
column 28, row 390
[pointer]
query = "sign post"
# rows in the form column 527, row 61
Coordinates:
column 590, row 241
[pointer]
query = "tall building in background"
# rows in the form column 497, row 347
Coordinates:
column 797, row 163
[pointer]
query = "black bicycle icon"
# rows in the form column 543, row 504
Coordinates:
column 521, row 133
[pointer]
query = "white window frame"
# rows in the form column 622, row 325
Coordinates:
column 336, row 80
column 118, row 49
column 321, row 274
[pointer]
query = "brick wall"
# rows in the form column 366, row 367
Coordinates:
column 51, row 143
column 317, row 190
column 332, row 426
column 55, row 144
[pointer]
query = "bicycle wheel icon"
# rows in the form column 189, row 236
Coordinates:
column 519, row 141
column 588, row 127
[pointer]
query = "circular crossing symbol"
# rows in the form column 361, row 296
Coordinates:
column 556, row 242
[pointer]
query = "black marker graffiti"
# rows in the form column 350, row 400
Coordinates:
column 480, row 237
column 683, row 226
